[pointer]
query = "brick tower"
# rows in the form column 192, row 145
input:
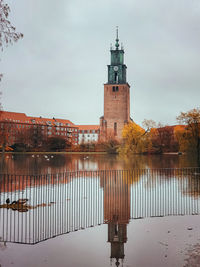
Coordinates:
column 116, row 96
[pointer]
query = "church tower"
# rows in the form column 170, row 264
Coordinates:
column 116, row 96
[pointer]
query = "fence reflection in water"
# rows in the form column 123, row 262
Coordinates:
column 35, row 208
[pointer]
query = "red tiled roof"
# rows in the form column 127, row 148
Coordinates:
column 23, row 118
column 53, row 121
column 13, row 116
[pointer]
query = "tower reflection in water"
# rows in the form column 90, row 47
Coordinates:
column 34, row 208
column 117, row 211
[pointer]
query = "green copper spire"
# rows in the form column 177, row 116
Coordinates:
column 117, row 68
column 117, row 39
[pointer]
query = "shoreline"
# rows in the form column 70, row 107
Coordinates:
column 54, row 152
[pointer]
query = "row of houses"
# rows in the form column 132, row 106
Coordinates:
column 17, row 126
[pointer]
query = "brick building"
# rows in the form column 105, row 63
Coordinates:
column 16, row 126
column 116, row 96
column 116, row 112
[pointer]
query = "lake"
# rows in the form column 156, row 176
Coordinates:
column 99, row 210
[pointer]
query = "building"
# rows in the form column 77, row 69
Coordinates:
column 16, row 127
column 116, row 113
column 116, row 96
column 88, row 133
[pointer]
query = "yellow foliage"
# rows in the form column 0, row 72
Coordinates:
column 180, row 135
column 192, row 130
column 135, row 139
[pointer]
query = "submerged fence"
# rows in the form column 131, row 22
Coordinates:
column 34, row 208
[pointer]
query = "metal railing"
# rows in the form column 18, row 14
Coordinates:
column 34, row 208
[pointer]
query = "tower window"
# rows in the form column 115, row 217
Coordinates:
column 115, row 88
column 115, row 128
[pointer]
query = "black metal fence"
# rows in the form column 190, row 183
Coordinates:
column 34, row 208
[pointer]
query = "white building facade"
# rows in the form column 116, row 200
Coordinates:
column 88, row 134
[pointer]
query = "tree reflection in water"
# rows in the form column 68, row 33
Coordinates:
column 37, row 164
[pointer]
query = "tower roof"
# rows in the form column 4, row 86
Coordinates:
column 117, row 39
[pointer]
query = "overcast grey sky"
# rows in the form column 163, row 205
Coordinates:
column 58, row 69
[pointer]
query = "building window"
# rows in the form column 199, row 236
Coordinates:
column 115, row 128
column 115, row 88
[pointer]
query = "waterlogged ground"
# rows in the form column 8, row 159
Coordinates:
column 57, row 163
column 167, row 241
column 83, row 220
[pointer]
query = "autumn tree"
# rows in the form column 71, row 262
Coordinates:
column 133, row 139
column 163, row 139
column 22, row 140
column 36, row 137
column 191, row 119
column 148, row 125
column 111, row 146
column 153, row 138
column 5, row 128
column 56, row 143
column 181, row 136
column 150, row 132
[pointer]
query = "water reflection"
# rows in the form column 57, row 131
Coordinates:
column 59, row 163
column 116, row 187
column 34, row 208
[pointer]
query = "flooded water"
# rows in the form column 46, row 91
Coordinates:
column 58, row 163
column 99, row 210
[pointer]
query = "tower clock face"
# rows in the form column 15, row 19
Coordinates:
column 115, row 68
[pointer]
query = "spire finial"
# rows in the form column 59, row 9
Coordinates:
column 117, row 39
